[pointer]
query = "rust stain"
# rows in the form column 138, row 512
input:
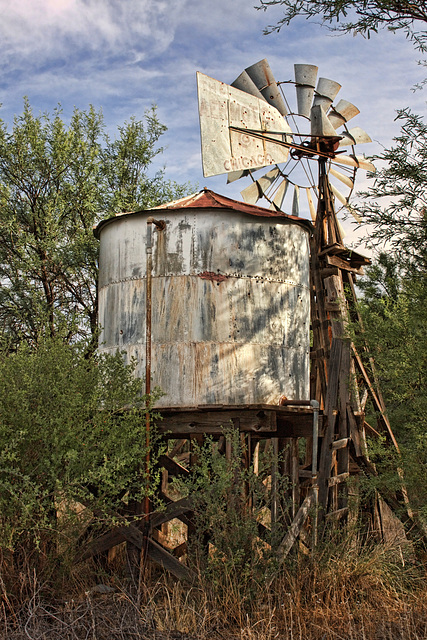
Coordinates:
column 212, row 276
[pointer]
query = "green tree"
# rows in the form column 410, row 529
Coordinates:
column 396, row 204
column 359, row 16
column 393, row 311
column 56, row 182
column 72, row 446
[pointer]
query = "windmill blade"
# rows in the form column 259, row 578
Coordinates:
column 262, row 76
column 295, row 201
column 342, row 113
column 305, row 81
column 320, row 125
column 359, row 162
column 257, row 189
column 354, row 136
column 341, row 230
column 311, row 206
column 339, row 196
column 349, row 182
column 224, row 112
column 326, row 91
column 244, row 83
column 252, row 194
column 280, row 195
column 236, row 175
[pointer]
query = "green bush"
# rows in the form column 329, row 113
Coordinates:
column 72, row 446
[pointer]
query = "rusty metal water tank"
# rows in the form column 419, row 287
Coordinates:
column 230, row 300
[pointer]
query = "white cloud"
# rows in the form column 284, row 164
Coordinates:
column 45, row 29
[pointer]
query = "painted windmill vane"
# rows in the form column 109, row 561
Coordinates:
column 250, row 125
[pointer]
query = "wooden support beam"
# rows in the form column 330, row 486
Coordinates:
column 171, row 511
column 340, row 444
column 376, row 401
column 180, row 550
column 354, row 431
column 169, row 562
column 174, row 468
column 336, row 261
column 331, row 410
column 293, row 532
column 102, row 543
column 342, row 477
column 212, row 420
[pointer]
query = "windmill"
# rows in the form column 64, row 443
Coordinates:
column 250, row 126
column 249, row 130
column 242, row 134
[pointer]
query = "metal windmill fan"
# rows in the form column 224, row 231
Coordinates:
column 250, row 125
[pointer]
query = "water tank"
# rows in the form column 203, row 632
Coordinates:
column 230, row 300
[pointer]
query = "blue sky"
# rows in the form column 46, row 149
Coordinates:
column 124, row 55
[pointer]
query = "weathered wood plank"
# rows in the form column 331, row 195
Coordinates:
column 336, row 261
column 173, row 467
column 293, row 532
column 343, row 454
column 172, row 510
column 213, row 421
column 177, row 447
column 340, row 444
column 342, row 477
column 170, row 563
column 180, row 550
column 336, row 298
column 101, row 544
column 331, row 410
column 131, row 534
column 354, row 431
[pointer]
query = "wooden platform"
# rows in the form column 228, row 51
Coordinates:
column 266, row 420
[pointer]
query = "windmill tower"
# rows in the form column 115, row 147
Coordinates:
column 309, row 151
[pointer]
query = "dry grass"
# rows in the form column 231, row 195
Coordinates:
column 340, row 593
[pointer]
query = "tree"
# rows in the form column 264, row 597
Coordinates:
column 396, row 204
column 359, row 16
column 393, row 311
column 72, row 446
column 56, row 182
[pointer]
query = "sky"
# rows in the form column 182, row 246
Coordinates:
column 125, row 55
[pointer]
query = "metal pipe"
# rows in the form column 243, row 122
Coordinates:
column 315, row 405
column 160, row 225
column 315, row 486
column 284, row 402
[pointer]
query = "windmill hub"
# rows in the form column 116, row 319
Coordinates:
column 323, row 146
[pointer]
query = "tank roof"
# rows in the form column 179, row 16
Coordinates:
column 207, row 199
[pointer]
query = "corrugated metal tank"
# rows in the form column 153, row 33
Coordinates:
column 230, row 303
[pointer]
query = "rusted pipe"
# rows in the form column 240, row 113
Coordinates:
column 160, row 225
column 315, row 486
column 284, row 402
